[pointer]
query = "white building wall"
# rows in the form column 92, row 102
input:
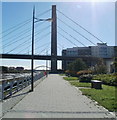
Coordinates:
column 102, row 50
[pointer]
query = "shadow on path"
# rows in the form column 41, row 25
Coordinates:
column 20, row 94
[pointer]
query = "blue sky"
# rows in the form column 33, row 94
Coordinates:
column 96, row 17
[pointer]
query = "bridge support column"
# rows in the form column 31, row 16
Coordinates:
column 54, row 41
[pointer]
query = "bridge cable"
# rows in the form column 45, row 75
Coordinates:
column 76, row 31
column 80, row 26
column 45, row 28
column 71, row 36
column 15, row 29
column 37, row 41
column 21, row 34
column 20, row 45
column 67, row 39
column 17, row 47
column 43, row 49
column 45, row 35
column 47, row 50
column 24, row 22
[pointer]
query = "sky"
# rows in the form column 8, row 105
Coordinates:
column 97, row 17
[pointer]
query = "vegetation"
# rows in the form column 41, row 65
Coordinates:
column 105, row 97
column 85, row 78
column 115, row 64
column 99, row 68
column 62, row 74
column 108, row 79
column 70, row 78
column 75, row 66
column 84, row 72
column 80, row 84
column 5, row 69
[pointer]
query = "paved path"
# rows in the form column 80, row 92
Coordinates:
column 56, row 98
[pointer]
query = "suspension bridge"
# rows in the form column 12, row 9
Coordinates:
column 22, row 39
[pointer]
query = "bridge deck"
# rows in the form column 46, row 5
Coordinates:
column 46, row 57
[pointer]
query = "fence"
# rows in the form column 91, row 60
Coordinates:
column 12, row 85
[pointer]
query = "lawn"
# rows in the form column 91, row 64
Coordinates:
column 62, row 74
column 80, row 84
column 105, row 97
column 74, row 81
column 70, row 78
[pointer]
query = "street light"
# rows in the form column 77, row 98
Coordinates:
column 49, row 20
column 46, row 64
column 32, row 58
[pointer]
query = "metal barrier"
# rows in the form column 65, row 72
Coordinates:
column 12, row 85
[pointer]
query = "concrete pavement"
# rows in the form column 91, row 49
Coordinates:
column 56, row 98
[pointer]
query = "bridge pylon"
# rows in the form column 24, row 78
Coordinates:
column 54, row 41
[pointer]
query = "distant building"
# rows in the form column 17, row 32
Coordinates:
column 77, row 51
column 11, row 68
column 19, row 68
column 100, row 51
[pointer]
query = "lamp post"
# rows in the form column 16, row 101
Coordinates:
column 32, row 58
column 46, row 64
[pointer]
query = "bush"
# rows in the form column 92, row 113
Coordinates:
column 83, row 72
column 67, row 72
column 107, row 79
column 70, row 73
column 85, row 78
column 76, row 65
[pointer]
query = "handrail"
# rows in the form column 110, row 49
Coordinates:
column 13, row 85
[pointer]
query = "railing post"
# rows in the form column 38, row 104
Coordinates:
column 22, row 82
column 17, row 85
column 11, row 86
column 2, row 90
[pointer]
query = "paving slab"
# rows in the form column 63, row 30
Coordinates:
column 56, row 98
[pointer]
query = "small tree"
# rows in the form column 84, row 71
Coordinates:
column 3, row 69
column 100, row 67
column 115, row 64
column 76, row 66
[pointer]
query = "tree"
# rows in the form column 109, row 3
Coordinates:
column 115, row 64
column 4, row 69
column 100, row 67
column 77, row 65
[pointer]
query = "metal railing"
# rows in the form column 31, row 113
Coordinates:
column 12, row 85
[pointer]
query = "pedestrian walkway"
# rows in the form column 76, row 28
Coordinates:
column 56, row 98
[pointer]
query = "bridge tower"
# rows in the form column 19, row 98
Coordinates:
column 54, row 41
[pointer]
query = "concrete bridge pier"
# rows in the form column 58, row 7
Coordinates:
column 54, row 41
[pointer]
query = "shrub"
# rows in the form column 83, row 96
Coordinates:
column 70, row 73
column 107, row 79
column 76, row 65
column 67, row 72
column 83, row 72
column 85, row 78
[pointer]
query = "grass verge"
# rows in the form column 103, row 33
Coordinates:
column 80, row 84
column 70, row 78
column 62, row 74
column 105, row 97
